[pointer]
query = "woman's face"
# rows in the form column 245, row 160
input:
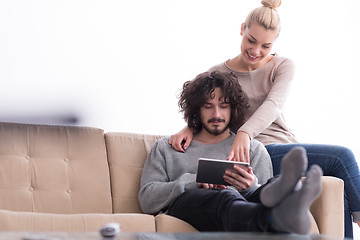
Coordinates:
column 256, row 44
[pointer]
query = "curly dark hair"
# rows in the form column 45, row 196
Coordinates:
column 196, row 92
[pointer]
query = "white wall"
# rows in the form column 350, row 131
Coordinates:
column 119, row 65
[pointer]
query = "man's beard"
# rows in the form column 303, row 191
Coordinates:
column 216, row 131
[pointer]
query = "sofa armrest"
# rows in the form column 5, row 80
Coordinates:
column 328, row 208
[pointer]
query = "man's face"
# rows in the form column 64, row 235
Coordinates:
column 216, row 113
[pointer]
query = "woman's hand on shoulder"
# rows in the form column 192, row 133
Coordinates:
column 181, row 140
column 240, row 149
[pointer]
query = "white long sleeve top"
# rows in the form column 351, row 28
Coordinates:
column 267, row 88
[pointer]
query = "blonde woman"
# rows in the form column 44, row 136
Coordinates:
column 266, row 77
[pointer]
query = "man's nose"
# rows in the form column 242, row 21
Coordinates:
column 217, row 112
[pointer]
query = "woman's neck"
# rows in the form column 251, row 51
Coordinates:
column 238, row 64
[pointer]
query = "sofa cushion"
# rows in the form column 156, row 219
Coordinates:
column 45, row 222
column 167, row 223
column 127, row 153
column 53, row 169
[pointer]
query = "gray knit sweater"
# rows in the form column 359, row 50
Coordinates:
column 168, row 173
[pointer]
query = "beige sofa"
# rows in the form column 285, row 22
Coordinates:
column 68, row 178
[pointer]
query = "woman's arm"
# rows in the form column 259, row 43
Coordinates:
column 266, row 114
column 271, row 108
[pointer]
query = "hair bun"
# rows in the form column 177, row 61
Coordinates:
column 272, row 4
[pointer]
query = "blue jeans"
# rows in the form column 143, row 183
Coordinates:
column 221, row 210
column 335, row 161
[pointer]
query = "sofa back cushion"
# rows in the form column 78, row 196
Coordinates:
column 127, row 153
column 53, row 169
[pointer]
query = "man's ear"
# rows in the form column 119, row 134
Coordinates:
column 242, row 29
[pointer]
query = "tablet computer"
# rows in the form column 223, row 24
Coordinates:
column 212, row 170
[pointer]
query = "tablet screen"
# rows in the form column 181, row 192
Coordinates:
column 212, row 170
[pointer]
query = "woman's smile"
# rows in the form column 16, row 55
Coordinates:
column 251, row 57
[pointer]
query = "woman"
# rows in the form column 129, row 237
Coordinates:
column 266, row 78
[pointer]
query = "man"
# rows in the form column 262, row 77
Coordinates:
column 214, row 105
